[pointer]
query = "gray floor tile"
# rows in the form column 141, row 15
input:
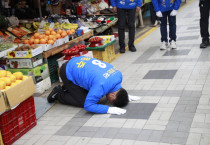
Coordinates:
column 188, row 38
column 126, row 136
column 160, row 74
column 67, row 130
column 111, row 133
column 144, row 135
column 101, row 132
column 195, row 27
column 147, row 54
column 84, row 134
column 172, row 60
column 173, row 52
column 156, row 136
column 137, row 111
column 88, row 128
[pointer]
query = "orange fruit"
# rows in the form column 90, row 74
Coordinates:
column 46, row 37
column 36, row 35
column 59, row 31
column 47, row 32
column 58, row 36
column 73, row 31
column 50, row 42
column 18, row 75
column 51, row 37
column 26, row 41
column 31, row 41
column 41, row 36
column 36, row 41
column 63, row 34
column 42, row 41
column 53, row 33
column 50, row 29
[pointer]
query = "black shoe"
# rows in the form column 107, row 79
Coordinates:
column 204, row 44
column 122, row 50
column 52, row 96
column 132, row 49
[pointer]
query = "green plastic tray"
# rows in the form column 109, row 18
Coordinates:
column 100, row 48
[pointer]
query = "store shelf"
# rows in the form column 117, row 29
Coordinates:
column 58, row 49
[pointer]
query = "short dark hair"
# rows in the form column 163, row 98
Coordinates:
column 121, row 98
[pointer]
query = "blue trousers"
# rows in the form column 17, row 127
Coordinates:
column 172, row 27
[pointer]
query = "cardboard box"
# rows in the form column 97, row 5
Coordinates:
column 26, row 62
column 1, row 140
column 4, row 53
column 38, row 73
column 43, row 85
column 17, row 94
column 25, row 54
column 2, row 105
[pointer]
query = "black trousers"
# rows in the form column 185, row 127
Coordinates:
column 204, row 20
column 153, row 14
column 72, row 94
column 122, row 13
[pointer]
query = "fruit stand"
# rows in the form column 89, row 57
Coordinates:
column 31, row 52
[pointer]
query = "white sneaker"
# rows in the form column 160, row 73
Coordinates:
column 163, row 46
column 173, row 44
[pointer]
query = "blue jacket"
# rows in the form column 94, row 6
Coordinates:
column 166, row 5
column 98, row 77
column 126, row 4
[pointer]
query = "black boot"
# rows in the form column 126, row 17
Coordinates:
column 52, row 96
column 122, row 50
column 132, row 48
column 204, row 44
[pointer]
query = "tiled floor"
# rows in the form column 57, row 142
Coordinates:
column 174, row 108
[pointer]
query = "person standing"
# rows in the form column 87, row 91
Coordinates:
column 126, row 8
column 167, row 9
column 154, row 18
column 204, row 22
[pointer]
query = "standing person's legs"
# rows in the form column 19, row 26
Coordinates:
column 204, row 22
column 71, row 94
column 172, row 27
column 131, row 26
column 163, row 28
column 153, row 14
column 121, row 14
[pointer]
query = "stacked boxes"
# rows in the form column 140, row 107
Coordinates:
column 40, row 75
column 30, row 63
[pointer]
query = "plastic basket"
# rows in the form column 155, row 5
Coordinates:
column 15, row 123
column 53, row 67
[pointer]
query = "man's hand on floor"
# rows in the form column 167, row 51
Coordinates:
column 133, row 98
column 116, row 111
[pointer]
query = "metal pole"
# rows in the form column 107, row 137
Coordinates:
column 40, row 11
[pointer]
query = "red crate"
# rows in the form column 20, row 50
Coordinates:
column 15, row 123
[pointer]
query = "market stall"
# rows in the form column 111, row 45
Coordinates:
column 36, row 38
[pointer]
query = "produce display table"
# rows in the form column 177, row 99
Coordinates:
column 59, row 49
column 105, row 53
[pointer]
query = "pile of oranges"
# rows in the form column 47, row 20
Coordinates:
column 49, row 37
